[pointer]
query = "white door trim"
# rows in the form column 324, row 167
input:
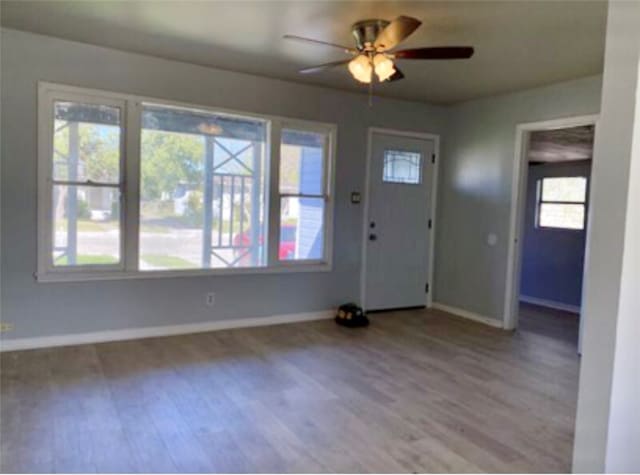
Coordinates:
column 518, row 202
column 365, row 215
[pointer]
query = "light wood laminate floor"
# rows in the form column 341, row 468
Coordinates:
column 417, row 391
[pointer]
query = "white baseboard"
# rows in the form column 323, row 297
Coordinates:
column 468, row 315
column 148, row 332
column 550, row 304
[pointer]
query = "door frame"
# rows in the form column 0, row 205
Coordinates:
column 517, row 211
column 366, row 202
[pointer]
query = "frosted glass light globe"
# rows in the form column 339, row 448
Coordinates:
column 383, row 66
column 361, row 69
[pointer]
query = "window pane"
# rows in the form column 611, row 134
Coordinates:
column 202, row 190
column 301, row 228
column 568, row 216
column 301, row 162
column 86, row 143
column 573, row 189
column 402, row 167
column 86, row 225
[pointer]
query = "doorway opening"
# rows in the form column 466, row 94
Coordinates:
column 545, row 288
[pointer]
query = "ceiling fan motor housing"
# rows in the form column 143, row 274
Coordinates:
column 367, row 31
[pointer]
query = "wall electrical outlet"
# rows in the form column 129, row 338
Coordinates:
column 210, row 299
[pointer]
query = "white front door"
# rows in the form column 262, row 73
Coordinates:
column 398, row 222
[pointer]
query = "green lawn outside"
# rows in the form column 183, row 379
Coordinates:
column 154, row 229
column 88, row 225
column 168, row 262
column 87, row 259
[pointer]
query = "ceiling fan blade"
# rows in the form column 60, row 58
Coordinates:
column 302, row 39
column 437, row 52
column 323, row 67
column 395, row 32
column 396, row 76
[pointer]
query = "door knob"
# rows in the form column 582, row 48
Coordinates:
column 372, row 237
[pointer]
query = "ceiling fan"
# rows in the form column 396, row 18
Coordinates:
column 374, row 41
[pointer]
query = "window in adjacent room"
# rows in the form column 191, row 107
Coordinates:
column 562, row 202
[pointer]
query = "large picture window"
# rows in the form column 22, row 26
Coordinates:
column 135, row 187
column 202, row 190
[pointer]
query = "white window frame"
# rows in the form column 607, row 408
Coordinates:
column 540, row 201
column 47, row 182
column 131, row 107
column 326, row 194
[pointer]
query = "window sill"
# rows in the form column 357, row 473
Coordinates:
column 79, row 276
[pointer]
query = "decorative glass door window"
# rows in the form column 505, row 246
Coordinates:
column 401, row 166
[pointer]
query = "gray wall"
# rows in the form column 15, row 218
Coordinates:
column 63, row 308
column 552, row 259
column 475, row 188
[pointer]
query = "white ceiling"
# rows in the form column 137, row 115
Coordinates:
column 519, row 44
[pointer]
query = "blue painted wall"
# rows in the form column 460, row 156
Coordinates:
column 552, row 259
